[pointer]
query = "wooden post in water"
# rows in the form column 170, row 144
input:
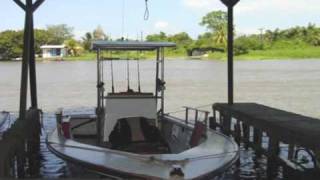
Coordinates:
column 273, row 152
column 257, row 140
column 246, row 135
column 230, row 4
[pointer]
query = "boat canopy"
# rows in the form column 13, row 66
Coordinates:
column 130, row 45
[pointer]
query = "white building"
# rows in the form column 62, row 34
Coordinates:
column 53, row 51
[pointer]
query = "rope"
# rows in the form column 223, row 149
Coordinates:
column 146, row 13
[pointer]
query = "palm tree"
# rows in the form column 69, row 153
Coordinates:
column 73, row 48
column 87, row 40
column 220, row 37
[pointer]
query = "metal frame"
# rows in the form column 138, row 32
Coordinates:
column 159, row 83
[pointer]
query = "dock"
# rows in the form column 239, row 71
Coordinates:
column 20, row 144
column 253, row 123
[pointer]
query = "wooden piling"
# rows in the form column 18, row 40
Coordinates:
column 21, row 144
column 273, row 153
column 257, row 140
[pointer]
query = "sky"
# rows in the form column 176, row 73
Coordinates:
column 170, row 16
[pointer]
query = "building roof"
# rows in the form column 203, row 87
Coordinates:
column 130, row 45
column 52, row 46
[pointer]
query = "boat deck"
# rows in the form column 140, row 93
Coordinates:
column 285, row 126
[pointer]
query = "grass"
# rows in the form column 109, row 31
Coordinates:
column 82, row 57
column 292, row 53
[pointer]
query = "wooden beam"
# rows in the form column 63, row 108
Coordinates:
column 32, row 69
column 37, row 4
column 19, row 3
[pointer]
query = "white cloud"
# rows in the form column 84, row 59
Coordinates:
column 203, row 5
column 288, row 6
column 161, row 25
column 246, row 6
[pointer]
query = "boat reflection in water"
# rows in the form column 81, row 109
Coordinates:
column 128, row 135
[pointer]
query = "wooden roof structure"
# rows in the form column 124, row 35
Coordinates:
column 130, row 45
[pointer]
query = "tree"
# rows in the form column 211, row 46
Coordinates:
column 59, row 33
column 42, row 37
column 216, row 22
column 157, row 37
column 87, row 40
column 11, row 44
column 73, row 47
column 98, row 34
column 182, row 40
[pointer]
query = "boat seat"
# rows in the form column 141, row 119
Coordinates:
column 198, row 131
column 137, row 135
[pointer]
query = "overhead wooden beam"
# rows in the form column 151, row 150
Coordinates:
column 37, row 4
column 19, row 3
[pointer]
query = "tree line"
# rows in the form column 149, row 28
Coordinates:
column 11, row 42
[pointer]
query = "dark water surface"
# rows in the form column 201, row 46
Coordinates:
column 291, row 85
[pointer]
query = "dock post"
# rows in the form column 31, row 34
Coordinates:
column 21, row 160
column 246, row 135
column 257, row 140
column 213, row 120
column 237, row 129
column 273, row 152
column 226, row 124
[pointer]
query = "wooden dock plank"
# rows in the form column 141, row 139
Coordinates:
column 286, row 126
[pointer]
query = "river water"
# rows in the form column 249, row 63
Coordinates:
column 291, row 85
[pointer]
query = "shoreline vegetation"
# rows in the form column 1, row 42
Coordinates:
column 271, row 54
column 300, row 42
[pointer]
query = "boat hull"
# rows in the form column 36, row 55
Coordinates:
column 210, row 158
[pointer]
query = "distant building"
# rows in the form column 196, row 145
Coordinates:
column 53, row 51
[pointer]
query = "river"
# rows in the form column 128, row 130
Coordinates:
column 291, row 85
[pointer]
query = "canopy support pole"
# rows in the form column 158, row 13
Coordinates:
column 230, row 4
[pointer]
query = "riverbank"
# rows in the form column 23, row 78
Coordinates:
column 268, row 54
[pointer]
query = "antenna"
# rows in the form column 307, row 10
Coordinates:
column 112, row 76
column 128, row 72
column 122, row 13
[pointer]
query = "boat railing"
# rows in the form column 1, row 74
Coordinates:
column 197, row 115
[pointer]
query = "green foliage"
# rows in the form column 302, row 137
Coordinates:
column 243, row 44
column 183, row 41
column 10, row 44
column 59, row 33
column 87, row 41
column 74, row 49
column 157, row 37
column 216, row 22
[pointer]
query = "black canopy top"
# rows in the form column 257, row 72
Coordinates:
column 130, row 45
